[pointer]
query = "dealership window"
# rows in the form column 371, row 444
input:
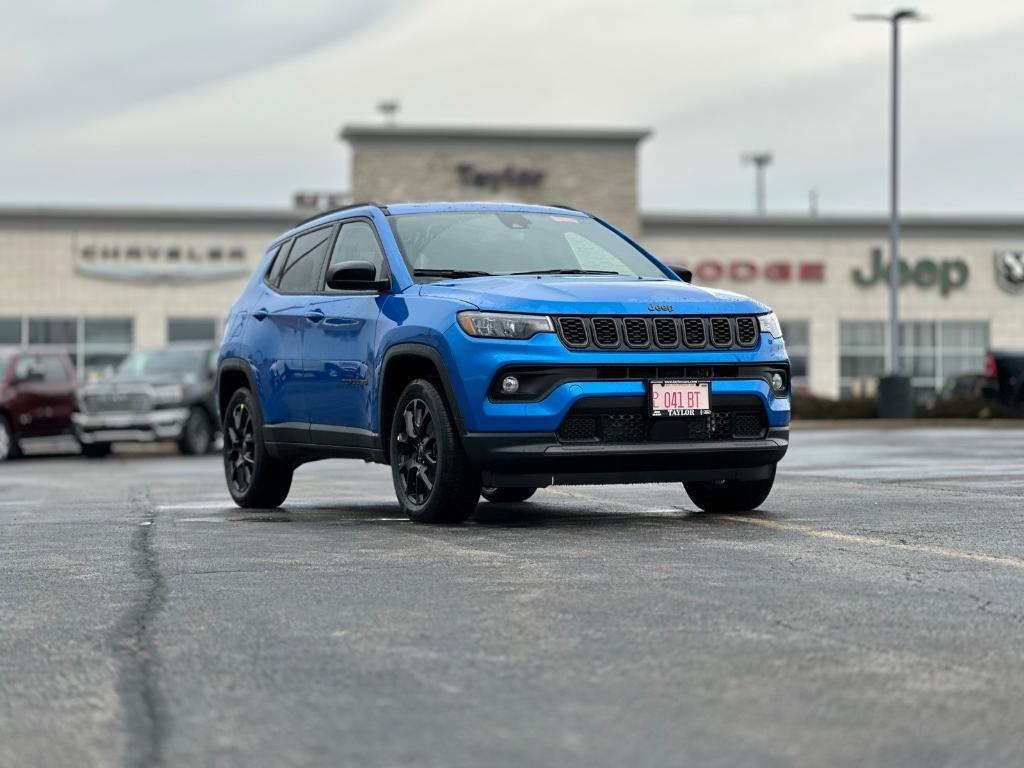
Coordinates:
column 180, row 329
column 10, row 330
column 96, row 345
column 797, row 334
column 930, row 352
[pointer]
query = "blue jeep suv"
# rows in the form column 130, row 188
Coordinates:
column 482, row 348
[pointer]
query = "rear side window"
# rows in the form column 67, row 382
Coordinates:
column 305, row 263
column 277, row 264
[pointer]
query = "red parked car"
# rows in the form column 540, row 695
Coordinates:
column 37, row 396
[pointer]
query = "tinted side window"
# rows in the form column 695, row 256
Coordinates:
column 274, row 274
column 306, row 261
column 358, row 242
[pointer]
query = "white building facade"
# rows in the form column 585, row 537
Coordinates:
column 100, row 282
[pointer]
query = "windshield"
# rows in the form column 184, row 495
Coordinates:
column 162, row 362
column 437, row 245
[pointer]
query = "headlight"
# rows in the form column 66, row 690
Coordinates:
column 502, row 325
column 770, row 324
column 167, row 394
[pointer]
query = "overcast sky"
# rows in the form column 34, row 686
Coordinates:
column 239, row 103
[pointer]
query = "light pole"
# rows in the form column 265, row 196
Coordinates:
column 892, row 349
column 760, row 161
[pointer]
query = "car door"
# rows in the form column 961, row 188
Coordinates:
column 338, row 346
column 279, row 322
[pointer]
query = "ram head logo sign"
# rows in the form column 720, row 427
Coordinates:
column 1010, row 270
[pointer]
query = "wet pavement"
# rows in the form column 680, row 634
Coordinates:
column 872, row 613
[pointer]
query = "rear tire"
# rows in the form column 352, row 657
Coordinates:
column 255, row 478
column 507, row 495
column 96, row 450
column 730, row 495
column 196, row 434
column 8, row 442
column 434, row 480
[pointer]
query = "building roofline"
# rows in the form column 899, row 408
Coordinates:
column 833, row 224
column 498, row 132
column 143, row 215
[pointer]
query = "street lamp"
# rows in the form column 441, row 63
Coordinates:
column 894, row 397
column 760, row 161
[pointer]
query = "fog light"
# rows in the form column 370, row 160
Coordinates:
column 778, row 382
column 510, row 385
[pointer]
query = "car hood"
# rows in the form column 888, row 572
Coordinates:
column 590, row 294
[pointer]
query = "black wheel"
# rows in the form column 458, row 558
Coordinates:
column 197, row 434
column 96, row 450
column 730, row 495
column 507, row 495
column 254, row 477
column 434, row 480
column 8, row 442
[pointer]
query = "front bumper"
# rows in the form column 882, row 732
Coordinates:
column 162, row 424
column 537, row 460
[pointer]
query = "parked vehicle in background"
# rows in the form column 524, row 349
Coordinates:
column 155, row 395
column 37, row 396
column 1004, row 375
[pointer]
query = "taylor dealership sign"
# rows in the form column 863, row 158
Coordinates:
column 151, row 263
column 947, row 275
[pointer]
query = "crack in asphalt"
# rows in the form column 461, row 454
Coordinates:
column 136, row 657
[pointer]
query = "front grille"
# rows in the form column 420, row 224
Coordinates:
column 721, row 331
column 661, row 332
column 116, row 402
column 635, row 426
column 636, row 332
column 573, row 331
column 606, row 332
column 746, row 331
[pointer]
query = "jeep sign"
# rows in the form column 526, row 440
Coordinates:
column 948, row 275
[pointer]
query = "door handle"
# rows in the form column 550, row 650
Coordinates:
column 260, row 314
column 315, row 315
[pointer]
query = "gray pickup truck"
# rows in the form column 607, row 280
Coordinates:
column 155, row 395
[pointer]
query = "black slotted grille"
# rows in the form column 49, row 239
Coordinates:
column 574, row 332
column 579, row 332
column 666, row 333
column 721, row 332
column 693, row 332
column 636, row 332
column 606, row 332
column 746, row 331
column 635, row 426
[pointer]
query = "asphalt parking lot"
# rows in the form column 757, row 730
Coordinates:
column 871, row 613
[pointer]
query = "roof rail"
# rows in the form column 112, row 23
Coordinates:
column 564, row 207
column 342, row 208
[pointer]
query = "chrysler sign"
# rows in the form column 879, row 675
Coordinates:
column 163, row 263
column 1010, row 270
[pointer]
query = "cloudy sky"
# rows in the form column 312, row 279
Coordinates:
column 239, row 103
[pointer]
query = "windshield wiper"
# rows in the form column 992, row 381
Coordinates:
column 449, row 273
column 566, row 272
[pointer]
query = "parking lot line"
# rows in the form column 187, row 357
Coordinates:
column 874, row 541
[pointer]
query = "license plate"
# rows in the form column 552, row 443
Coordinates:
column 680, row 398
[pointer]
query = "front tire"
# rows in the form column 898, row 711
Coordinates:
column 434, row 480
column 507, row 495
column 197, row 434
column 96, row 450
column 8, row 442
column 730, row 495
column 255, row 478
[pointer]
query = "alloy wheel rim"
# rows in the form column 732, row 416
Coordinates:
column 5, row 442
column 417, row 452
column 197, row 433
column 240, row 448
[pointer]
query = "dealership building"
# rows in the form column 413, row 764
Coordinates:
column 100, row 282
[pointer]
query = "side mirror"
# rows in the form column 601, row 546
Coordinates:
column 684, row 273
column 355, row 276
